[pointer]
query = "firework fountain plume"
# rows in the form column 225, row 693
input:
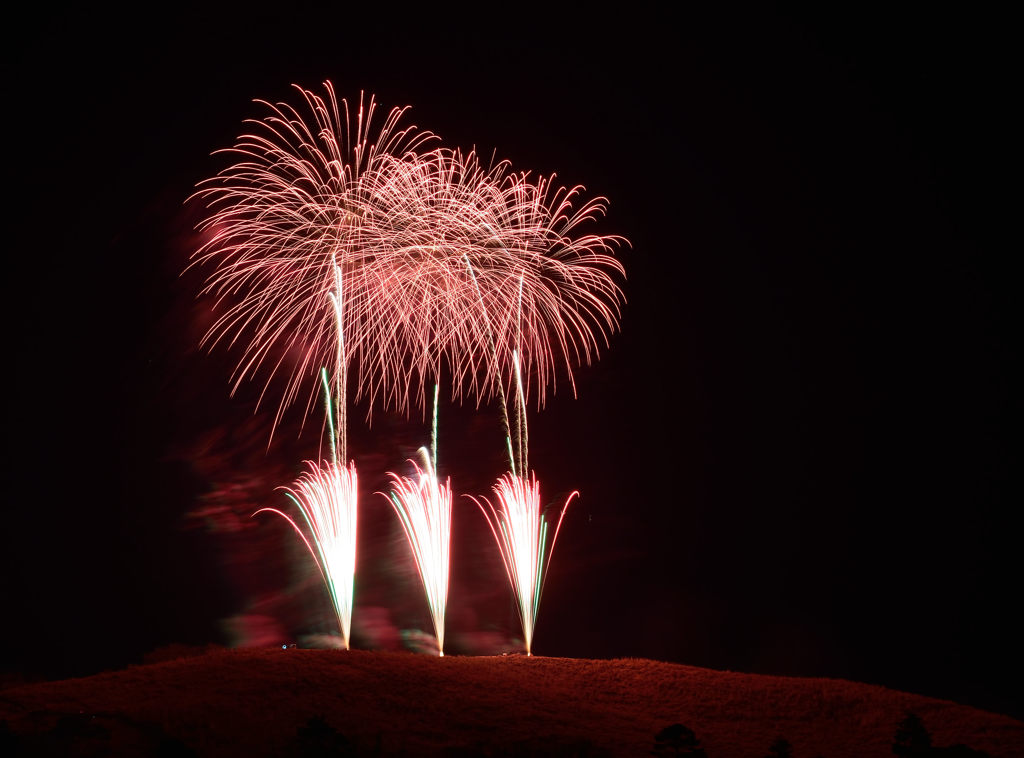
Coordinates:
column 521, row 531
column 424, row 508
column 326, row 497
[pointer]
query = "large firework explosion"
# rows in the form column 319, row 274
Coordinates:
column 285, row 231
column 372, row 257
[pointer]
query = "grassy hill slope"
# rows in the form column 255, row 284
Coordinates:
column 259, row 702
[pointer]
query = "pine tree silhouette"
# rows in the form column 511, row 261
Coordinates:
column 912, row 739
column 318, row 739
column 677, row 740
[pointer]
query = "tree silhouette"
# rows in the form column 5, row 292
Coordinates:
column 9, row 742
column 780, row 749
column 911, row 739
column 171, row 747
column 318, row 739
column 958, row 751
column 677, row 740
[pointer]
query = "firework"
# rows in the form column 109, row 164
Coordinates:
column 424, row 508
column 326, row 497
column 484, row 268
column 435, row 253
column 349, row 247
column 283, row 234
column 521, row 531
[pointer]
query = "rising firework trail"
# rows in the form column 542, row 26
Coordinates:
column 327, row 495
column 517, row 522
column 520, row 526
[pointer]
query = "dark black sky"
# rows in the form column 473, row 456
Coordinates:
column 794, row 459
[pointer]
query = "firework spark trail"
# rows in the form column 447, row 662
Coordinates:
column 424, row 508
column 521, row 531
column 326, row 496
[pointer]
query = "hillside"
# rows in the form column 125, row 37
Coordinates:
column 260, row 702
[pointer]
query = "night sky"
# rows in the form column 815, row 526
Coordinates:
column 794, row 459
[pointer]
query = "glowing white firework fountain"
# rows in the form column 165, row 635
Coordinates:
column 326, row 497
column 521, row 531
column 424, row 508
